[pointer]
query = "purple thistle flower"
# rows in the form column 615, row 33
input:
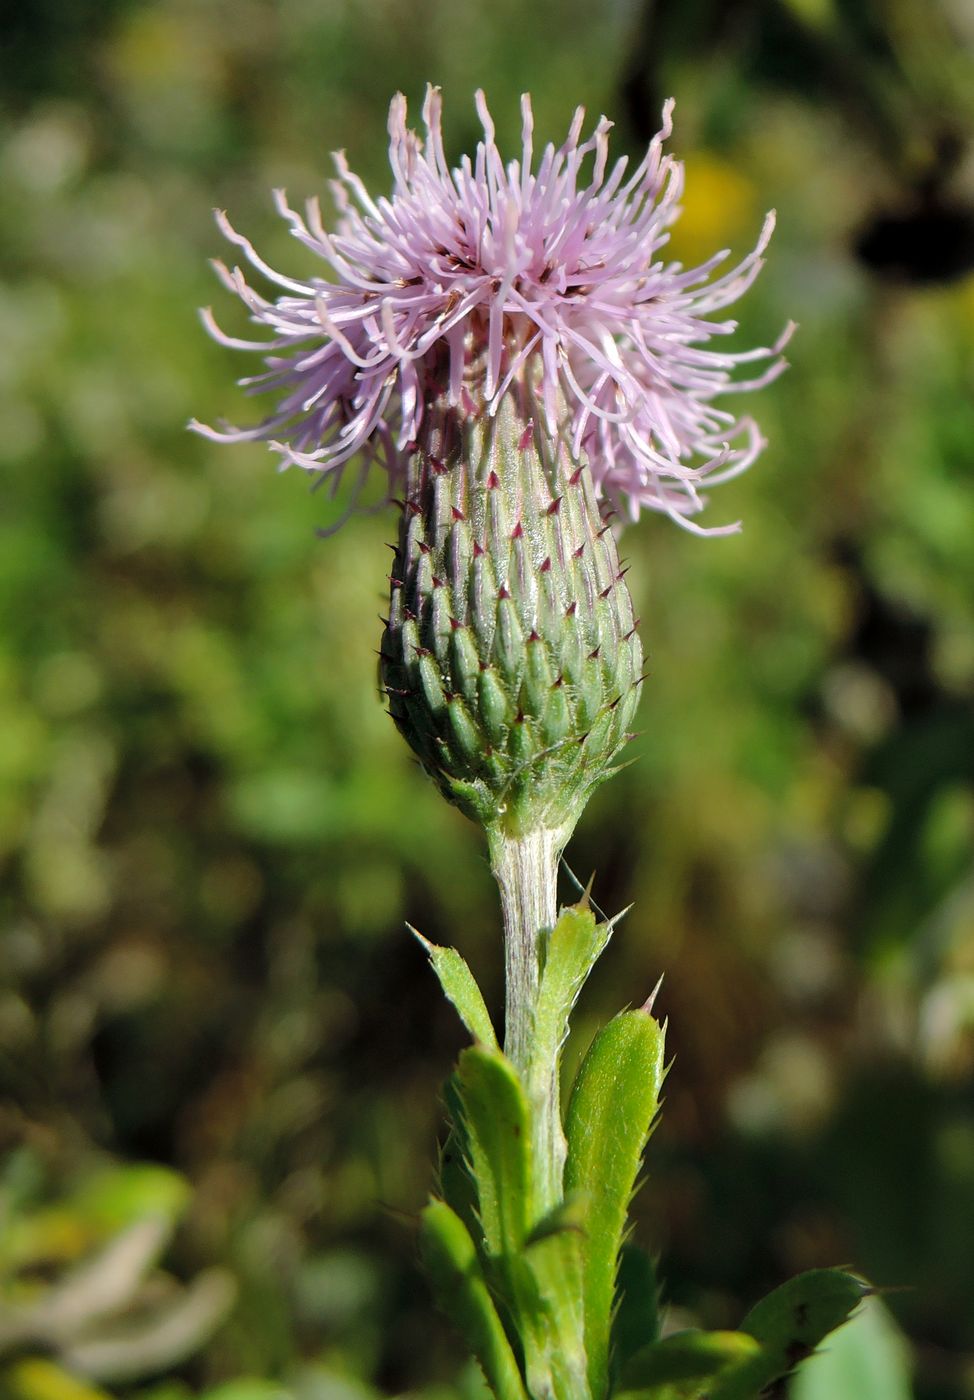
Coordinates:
column 559, row 265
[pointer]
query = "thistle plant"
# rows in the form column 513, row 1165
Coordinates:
column 508, row 348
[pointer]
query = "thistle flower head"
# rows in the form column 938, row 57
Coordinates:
column 551, row 265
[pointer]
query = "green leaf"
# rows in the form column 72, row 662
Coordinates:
column 553, row 1255
column 684, row 1366
column 806, row 1308
column 612, row 1106
column 636, row 1320
column 533, row 1267
column 867, row 1360
column 570, row 952
column 790, row 1323
column 549, row 1306
column 460, row 987
column 498, row 1127
column 451, row 1261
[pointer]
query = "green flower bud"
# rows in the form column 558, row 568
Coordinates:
column 510, row 656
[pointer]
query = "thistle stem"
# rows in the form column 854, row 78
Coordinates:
column 526, row 868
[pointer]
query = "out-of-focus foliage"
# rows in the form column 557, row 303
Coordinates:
column 106, row 1313
column 863, row 1361
column 210, row 835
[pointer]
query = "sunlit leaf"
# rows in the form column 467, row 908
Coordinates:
column 461, row 1290
column 497, row 1122
column 610, row 1112
column 460, row 987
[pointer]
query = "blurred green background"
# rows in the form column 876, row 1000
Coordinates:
column 220, row 1053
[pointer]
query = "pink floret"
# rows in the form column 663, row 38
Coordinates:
column 556, row 262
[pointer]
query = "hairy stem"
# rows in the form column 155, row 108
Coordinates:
column 526, row 868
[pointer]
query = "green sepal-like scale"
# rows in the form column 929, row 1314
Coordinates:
column 510, row 657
